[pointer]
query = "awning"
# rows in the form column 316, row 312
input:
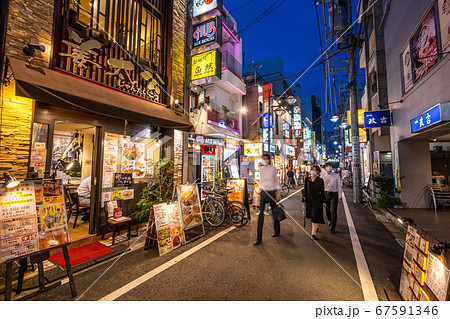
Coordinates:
column 57, row 88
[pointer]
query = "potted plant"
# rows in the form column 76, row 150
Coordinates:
column 159, row 190
column 385, row 186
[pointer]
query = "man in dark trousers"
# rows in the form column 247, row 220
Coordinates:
column 290, row 174
column 270, row 193
column 333, row 195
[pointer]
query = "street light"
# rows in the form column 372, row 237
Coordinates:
column 290, row 99
column 334, row 118
column 343, row 125
column 243, row 110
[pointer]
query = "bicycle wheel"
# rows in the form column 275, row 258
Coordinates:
column 213, row 212
column 284, row 190
column 240, row 213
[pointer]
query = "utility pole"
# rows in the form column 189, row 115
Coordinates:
column 356, row 152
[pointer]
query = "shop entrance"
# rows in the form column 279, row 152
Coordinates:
column 440, row 159
column 72, row 159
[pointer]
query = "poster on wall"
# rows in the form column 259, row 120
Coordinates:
column 133, row 159
column 424, row 44
column 37, row 161
column 407, row 70
column 189, row 203
column 18, row 223
column 111, row 152
column 444, row 21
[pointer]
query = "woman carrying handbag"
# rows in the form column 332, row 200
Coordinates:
column 314, row 199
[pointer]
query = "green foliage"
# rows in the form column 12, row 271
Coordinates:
column 220, row 181
column 159, row 190
column 385, row 194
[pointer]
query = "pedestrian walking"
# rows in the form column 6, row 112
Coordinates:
column 333, row 195
column 290, row 174
column 270, row 193
column 314, row 199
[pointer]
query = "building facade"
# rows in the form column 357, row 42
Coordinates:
column 417, row 42
column 95, row 84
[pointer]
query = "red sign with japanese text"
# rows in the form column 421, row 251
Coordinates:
column 208, row 150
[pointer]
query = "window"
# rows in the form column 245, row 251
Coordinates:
column 150, row 49
column 121, row 20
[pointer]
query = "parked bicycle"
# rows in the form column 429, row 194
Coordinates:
column 216, row 208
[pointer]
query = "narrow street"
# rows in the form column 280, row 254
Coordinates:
column 291, row 267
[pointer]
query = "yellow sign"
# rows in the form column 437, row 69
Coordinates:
column 204, row 65
column 360, row 117
column 362, row 135
column 254, row 150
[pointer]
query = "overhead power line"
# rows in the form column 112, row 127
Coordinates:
column 242, row 5
column 264, row 14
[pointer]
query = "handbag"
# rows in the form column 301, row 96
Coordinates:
column 278, row 213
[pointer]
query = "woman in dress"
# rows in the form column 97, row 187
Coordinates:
column 314, row 199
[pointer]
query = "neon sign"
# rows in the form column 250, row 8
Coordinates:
column 207, row 32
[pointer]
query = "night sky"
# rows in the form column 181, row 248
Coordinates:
column 291, row 32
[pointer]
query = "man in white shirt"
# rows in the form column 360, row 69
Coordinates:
column 84, row 192
column 333, row 195
column 270, row 193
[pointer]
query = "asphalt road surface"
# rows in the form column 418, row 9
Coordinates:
column 290, row 267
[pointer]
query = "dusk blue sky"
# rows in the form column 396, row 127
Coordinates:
column 289, row 32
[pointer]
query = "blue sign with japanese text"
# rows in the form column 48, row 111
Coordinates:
column 430, row 117
column 265, row 118
column 377, row 118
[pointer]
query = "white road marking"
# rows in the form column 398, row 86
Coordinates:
column 133, row 284
column 370, row 294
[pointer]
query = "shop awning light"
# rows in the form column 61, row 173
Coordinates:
column 70, row 165
column 343, row 125
column 10, row 181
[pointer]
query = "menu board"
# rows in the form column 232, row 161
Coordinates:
column 169, row 227
column 123, row 180
column 238, row 190
column 189, row 203
column 111, row 151
column 18, row 223
column 133, row 159
column 438, row 277
column 51, row 213
column 32, row 218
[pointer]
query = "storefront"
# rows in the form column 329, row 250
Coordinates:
column 101, row 114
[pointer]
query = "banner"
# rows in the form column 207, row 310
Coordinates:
column 444, row 21
column 424, row 44
column 407, row 70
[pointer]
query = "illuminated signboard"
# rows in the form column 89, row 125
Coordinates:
column 204, row 6
column 377, row 118
column 254, row 149
column 290, row 150
column 206, row 64
column 297, row 110
column 360, row 117
column 207, row 32
column 430, row 117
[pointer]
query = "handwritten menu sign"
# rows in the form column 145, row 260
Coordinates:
column 123, row 180
column 169, row 227
column 438, row 277
column 18, row 223
column 189, row 203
